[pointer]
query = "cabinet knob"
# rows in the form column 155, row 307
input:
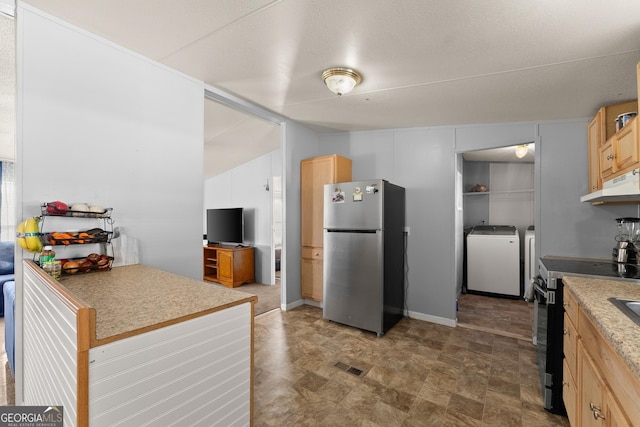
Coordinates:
column 565, row 332
column 636, row 171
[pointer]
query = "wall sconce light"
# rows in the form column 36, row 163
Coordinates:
column 521, row 151
column 341, row 80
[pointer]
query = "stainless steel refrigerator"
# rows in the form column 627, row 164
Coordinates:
column 364, row 254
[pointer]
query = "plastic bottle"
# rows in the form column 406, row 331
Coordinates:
column 47, row 255
column 56, row 269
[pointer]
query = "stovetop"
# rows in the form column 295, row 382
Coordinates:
column 596, row 268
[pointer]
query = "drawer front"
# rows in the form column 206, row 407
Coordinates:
column 569, row 394
column 570, row 345
column 570, row 306
column 312, row 252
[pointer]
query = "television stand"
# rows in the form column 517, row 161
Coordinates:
column 229, row 265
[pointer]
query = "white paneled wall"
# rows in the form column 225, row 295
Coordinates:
column 50, row 349
column 511, row 194
column 196, row 372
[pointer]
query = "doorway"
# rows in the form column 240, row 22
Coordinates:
column 243, row 168
column 496, row 186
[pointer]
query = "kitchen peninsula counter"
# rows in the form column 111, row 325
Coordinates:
column 115, row 347
column 617, row 328
column 134, row 299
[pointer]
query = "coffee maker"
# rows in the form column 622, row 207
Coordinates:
column 627, row 247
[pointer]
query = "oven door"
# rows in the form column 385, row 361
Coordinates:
column 539, row 304
column 548, row 318
column 540, row 322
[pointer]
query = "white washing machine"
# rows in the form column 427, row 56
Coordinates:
column 493, row 260
column 529, row 258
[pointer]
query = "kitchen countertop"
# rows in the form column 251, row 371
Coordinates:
column 134, row 299
column 618, row 329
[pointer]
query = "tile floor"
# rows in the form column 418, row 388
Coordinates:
column 418, row 374
column 508, row 317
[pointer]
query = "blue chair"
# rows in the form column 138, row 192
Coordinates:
column 9, row 291
column 7, row 250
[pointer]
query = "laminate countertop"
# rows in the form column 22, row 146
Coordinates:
column 134, row 299
column 618, row 329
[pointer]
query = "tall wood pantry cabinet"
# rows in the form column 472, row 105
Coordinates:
column 314, row 174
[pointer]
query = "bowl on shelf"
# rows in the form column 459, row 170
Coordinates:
column 479, row 188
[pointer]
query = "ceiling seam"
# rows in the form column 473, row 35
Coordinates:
column 476, row 76
column 253, row 12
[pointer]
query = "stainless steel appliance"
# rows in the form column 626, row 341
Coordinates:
column 549, row 316
column 626, row 250
column 364, row 254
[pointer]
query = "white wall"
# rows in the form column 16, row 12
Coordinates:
column 299, row 143
column 100, row 124
column 569, row 227
column 423, row 160
column 510, row 200
column 244, row 187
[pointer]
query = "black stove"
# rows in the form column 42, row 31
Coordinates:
column 610, row 270
column 549, row 316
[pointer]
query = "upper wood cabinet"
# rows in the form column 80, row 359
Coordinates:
column 602, row 148
column 314, row 174
column 619, row 154
column 595, row 136
column 626, row 145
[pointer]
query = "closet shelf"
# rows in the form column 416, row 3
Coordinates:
column 482, row 193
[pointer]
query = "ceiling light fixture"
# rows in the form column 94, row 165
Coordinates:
column 521, row 150
column 341, row 80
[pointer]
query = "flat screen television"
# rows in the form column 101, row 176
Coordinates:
column 225, row 225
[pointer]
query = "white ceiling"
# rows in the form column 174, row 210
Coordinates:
column 7, row 88
column 424, row 62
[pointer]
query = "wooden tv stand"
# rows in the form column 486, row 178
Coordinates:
column 231, row 266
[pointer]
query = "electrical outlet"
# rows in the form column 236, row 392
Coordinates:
column 407, row 230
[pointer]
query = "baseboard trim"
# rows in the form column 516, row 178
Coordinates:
column 313, row 303
column 429, row 318
column 292, row 305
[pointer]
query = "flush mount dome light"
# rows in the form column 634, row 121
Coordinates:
column 521, row 151
column 341, row 80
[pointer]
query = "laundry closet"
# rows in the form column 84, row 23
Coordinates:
column 498, row 206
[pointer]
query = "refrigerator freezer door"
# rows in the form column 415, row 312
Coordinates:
column 354, row 205
column 353, row 279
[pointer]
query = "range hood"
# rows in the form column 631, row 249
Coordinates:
column 623, row 188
